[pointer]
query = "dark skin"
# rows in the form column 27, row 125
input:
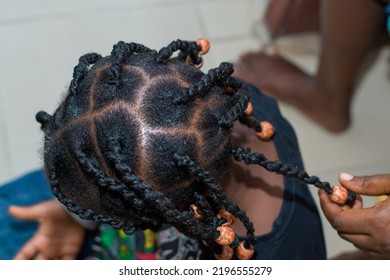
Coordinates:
column 256, row 190
column 58, row 235
column 351, row 32
column 367, row 228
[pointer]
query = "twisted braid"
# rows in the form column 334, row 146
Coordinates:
column 187, row 49
column 214, row 77
column 236, row 111
column 81, row 69
column 250, row 122
column 212, row 185
column 246, row 155
column 121, row 52
column 81, row 212
column 182, row 220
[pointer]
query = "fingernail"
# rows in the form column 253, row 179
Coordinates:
column 346, row 176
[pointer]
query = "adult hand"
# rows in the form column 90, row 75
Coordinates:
column 367, row 228
column 58, row 236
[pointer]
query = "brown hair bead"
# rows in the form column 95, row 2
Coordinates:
column 226, row 236
column 267, row 131
column 243, row 253
column 226, row 254
column 197, row 213
column 204, row 45
column 249, row 109
column 230, row 219
column 339, row 195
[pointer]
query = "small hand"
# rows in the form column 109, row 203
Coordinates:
column 58, row 236
column 367, row 228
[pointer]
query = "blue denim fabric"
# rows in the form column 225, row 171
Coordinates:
column 26, row 190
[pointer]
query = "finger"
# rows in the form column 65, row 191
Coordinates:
column 329, row 208
column 346, row 220
column 41, row 256
column 361, row 241
column 353, row 221
column 366, row 185
column 27, row 252
column 27, row 213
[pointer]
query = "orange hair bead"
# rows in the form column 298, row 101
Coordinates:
column 249, row 109
column 230, row 219
column 204, row 45
column 226, row 236
column 197, row 213
column 243, row 253
column 267, row 131
column 226, row 254
column 339, row 195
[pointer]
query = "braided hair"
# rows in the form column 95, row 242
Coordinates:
column 142, row 135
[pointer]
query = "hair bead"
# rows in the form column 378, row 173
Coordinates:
column 226, row 236
column 249, row 109
column 244, row 253
column 339, row 195
column 204, row 45
column 227, row 253
column 230, row 219
column 267, row 131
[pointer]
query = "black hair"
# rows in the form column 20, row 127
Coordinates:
column 142, row 135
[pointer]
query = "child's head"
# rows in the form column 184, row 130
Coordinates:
column 142, row 138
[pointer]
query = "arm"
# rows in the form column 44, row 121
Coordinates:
column 367, row 228
column 58, row 235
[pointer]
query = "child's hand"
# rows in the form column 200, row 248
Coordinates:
column 367, row 228
column 58, row 236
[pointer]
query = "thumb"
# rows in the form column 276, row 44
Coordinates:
column 366, row 185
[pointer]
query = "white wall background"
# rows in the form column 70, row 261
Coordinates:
column 41, row 41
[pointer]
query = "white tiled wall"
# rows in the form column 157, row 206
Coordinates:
column 41, row 40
